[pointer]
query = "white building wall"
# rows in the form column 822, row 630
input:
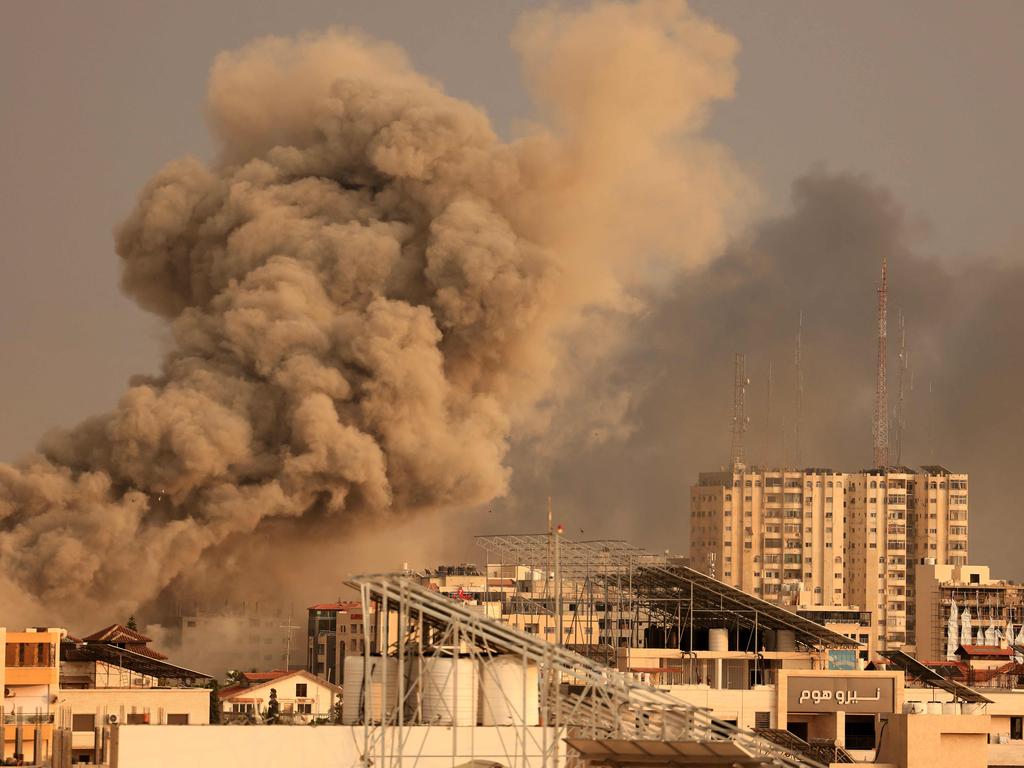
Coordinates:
column 339, row 746
column 729, row 704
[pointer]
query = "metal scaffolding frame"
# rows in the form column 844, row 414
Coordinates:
column 578, row 696
column 652, row 589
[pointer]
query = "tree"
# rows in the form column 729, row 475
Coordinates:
column 273, row 707
column 131, row 624
column 215, row 708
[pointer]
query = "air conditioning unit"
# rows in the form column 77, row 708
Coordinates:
column 8, row 692
column 112, row 719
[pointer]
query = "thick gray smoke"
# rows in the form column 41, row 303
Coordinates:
column 673, row 382
column 368, row 292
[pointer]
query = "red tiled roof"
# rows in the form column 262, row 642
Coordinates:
column 229, row 691
column 145, row 650
column 117, row 633
column 347, row 606
column 262, row 677
column 254, row 680
column 985, row 650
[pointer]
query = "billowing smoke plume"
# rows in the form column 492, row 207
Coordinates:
column 368, row 293
column 674, row 381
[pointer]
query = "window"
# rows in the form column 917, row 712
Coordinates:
column 80, row 723
column 306, row 709
column 177, row 719
column 1017, row 728
column 763, row 719
column 300, row 690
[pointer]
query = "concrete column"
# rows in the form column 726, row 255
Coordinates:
column 718, row 674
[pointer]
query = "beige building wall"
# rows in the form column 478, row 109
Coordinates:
column 877, row 503
column 30, row 674
column 969, row 586
column 84, row 710
column 928, row 741
column 239, row 746
column 777, row 534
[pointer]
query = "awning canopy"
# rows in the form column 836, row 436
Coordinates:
column 122, row 657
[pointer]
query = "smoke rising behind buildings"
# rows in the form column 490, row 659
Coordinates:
column 369, row 295
column 672, row 380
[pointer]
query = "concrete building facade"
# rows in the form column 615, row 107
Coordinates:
column 333, row 631
column 991, row 602
column 303, row 697
column 896, row 518
column 816, row 537
column 237, row 637
column 777, row 534
column 30, row 681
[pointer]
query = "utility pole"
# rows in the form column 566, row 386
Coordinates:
column 901, row 416
column 558, row 584
column 289, row 627
column 739, row 415
column 769, row 435
column 881, row 420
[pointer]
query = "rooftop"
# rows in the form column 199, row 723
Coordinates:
column 339, row 606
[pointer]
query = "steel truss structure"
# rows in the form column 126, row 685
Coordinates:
column 650, row 590
column 578, row 696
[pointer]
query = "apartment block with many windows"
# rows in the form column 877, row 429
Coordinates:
column 777, row 534
column 815, row 537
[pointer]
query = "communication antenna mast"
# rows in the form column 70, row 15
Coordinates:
column 798, row 415
column 901, row 417
column 739, row 414
column 880, row 430
column 769, row 435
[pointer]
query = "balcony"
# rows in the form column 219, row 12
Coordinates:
column 43, row 718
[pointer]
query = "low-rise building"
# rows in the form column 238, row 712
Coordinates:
column 849, row 621
column 112, row 677
column 991, row 604
column 334, row 630
column 302, row 697
column 30, row 679
column 236, row 637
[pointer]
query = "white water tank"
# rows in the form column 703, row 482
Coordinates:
column 352, row 690
column 951, row 708
column 972, row 708
column 382, row 697
column 412, row 693
column 449, row 689
column 718, row 639
column 785, row 640
column 914, row 708
column 934, row 707
column 509, row 692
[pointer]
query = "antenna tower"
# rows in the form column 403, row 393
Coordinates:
column 739, row 414
column 880, row 430
column 901, row 417
column 798, row 361
column 769, row 435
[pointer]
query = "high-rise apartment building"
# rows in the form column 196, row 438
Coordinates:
column 819, row 537
column 898, row 518
column 777, row 534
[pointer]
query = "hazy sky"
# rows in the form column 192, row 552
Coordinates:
column 924, row 97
